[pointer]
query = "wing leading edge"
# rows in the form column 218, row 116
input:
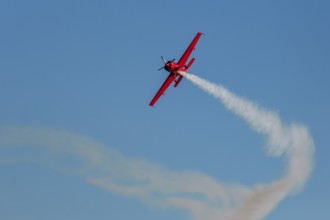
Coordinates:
column 189, row 50
column 162, row 89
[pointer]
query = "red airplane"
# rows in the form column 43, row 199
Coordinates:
column 175, row 68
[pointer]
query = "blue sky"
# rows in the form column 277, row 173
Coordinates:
column 90, row 68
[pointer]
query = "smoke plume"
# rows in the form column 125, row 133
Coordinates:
column 196, row 193
column 291, row 140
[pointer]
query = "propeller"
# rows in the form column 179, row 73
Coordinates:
column 163, row 59
column 164, row 63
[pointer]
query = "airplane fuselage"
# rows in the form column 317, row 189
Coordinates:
column 172, row 67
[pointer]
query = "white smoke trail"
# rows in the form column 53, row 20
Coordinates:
column 201, row 195
column 102, row 166
column 293, row 140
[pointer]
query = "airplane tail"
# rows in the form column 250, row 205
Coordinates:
column 186, row 68
column 189, row 64
column 178, row 81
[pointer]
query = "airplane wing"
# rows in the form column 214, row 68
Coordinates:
column 191, row 47
column 162, row 89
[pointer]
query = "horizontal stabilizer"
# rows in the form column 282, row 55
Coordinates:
column 189, row 64
column 178, row 81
